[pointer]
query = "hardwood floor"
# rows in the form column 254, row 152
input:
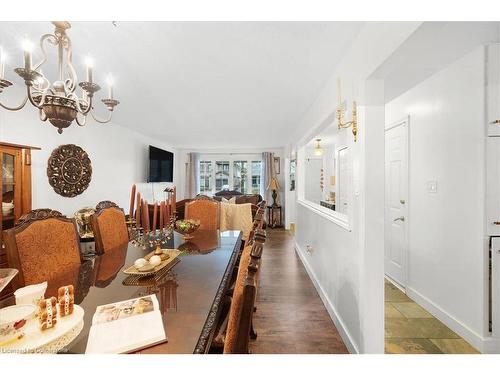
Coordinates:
column 290, row 316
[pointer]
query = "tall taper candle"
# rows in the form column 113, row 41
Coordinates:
column 146, row 219
column 132, row 197
column 138, row 211
column 27, row 54
column 155, row 215
column 162, row 216
column 173, row 201
column 338, row 91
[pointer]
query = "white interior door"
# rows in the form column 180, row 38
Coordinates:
column 396, row 195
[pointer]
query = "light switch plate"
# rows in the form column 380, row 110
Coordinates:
column 432, row 187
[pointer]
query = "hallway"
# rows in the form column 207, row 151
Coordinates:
column 290, row 316
column 410, row 329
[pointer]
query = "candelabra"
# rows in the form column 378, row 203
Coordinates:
column 58, row 102
column 150, row 239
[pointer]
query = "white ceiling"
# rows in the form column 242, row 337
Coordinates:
column 212, row 84
column 432, row 47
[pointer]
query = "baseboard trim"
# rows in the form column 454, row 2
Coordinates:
column 332, row 311
column 454, row 324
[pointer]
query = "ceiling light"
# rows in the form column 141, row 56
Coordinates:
column 318, row 151
column 58, row 101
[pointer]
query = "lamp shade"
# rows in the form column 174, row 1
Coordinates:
column 274, row 184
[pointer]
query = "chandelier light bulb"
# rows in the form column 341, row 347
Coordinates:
column 27, row 45
column 89, row 62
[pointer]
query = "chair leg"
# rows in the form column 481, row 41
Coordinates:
column 253, row 333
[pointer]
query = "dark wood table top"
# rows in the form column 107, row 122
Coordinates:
column 190, row 294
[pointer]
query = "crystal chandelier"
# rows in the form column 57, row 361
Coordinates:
column 58, row 102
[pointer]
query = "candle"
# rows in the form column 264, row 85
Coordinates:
column 338, row 92
column 90, row 74
column 110, row 86
column 27, row 46
column 162, row 214
column 167, row 213
column 138, row 211
column 132, row 197
column 155, row 214
column 2, row 63
column 173, row 201
column 146, row 216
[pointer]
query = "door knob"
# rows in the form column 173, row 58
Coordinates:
column 401, row 218
column 402, row 201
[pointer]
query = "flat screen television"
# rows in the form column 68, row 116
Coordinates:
column 161, row 165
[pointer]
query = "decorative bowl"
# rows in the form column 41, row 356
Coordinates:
column 186, row 227
column 13, row 320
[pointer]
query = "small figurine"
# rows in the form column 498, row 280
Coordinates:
column 48, row 313
column 66, row 299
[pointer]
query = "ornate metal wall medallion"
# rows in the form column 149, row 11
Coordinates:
column 69, row 170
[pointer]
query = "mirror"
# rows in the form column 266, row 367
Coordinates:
column 328, row 171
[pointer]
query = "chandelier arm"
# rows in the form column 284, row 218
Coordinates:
column 43, row 38
column 71, row 82
column 32, row 101
column 78, row 106
column 84, row 121
column 108, row 119
column 20, row 106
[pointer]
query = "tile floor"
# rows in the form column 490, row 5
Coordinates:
column 410, row 329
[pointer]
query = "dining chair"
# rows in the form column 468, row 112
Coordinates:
column 239, row 324
column 206, row 210
column 43, row 244
column 109, row 226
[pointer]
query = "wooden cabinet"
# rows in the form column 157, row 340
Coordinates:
column 15, row 190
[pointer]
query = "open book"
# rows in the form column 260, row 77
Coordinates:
column 126, row 326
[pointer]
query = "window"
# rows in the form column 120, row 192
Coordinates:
column 221, row 175
column 205, row 176
column 241, row 172
column 256, row 173
column 240, row 176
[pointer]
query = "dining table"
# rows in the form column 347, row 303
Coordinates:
column 191, row 294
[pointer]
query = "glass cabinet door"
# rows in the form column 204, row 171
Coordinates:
column 10, row 187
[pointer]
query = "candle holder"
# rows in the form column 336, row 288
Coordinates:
column 154, row 238
column 110, row 103
column 89, row 87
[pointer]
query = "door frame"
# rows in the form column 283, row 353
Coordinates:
column 402, row 122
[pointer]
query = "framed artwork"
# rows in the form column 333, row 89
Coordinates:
column 277, row 165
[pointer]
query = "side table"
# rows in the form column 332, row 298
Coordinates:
column 274, row 216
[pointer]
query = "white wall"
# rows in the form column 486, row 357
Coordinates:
column 119, row 158
column 446, row 257
column 346, row 265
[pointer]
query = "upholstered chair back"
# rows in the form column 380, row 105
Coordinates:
column 207, row 211
column 109, row 226
column 242, row 304
column 42, row 245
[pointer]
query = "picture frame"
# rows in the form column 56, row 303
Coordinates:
column 277, row 164
column 293, row 167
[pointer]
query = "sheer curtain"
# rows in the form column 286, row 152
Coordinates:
column 268, row 173
column 192, row 175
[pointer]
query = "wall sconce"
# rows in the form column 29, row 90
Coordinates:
column 340, row 115
column 318, row 151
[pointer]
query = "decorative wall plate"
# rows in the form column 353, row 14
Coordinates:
column 69, row 170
